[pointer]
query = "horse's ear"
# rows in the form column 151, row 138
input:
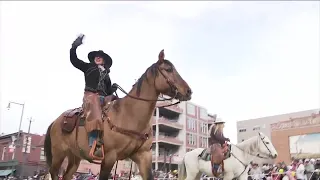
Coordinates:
column 161, row 56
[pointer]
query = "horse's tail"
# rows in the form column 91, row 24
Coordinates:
column 182, row 170
column 47, row 146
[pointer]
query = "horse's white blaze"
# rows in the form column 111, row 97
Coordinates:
column 236, row 166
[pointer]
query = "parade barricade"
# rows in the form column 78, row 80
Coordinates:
column 273, row 176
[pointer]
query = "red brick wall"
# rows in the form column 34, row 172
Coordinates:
column 32, row 158
column 280, row 137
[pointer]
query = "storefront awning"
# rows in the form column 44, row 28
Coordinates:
column 9, row 164
column 6, row 172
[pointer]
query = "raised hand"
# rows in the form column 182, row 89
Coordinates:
column 78, row 41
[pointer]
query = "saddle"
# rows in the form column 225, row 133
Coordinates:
column 207, row 153
column 212, row 154
column 72, row 117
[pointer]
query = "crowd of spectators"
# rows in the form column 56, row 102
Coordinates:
column 299, row 169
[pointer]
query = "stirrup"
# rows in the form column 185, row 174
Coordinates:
column 92, row 151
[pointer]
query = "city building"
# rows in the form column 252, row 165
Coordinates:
column 21, row 157
column 297, row 137
column 178, row 129
column 249, row 128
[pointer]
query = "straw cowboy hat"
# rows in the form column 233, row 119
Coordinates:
column 107, row 59
column 219, row 121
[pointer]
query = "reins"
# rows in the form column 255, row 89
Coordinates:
column 172, row 86
column 258, row 155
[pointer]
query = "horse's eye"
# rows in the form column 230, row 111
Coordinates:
column 267, row 142
column 170, row 69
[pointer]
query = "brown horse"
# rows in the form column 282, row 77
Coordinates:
column 126, row 121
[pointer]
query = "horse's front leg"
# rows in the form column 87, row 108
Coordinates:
column 144, row 162
column 107, row 164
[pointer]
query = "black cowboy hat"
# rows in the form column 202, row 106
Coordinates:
column 107, row 59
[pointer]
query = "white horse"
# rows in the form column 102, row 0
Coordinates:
column 236, row 166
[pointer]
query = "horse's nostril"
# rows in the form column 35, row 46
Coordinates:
column 189, row 92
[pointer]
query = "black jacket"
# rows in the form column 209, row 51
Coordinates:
column 91, row 74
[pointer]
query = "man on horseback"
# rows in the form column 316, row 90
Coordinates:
column 97, row 87
column 217, row 142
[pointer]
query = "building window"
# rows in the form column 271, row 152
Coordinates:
column 257, row 128
column 191, row 139
column 203, row 114
column 191, row 109
column 42, row 157
column 242, row 130
column 26, row 143
column 203, row 142
column 203, row 128
column 3, row 153
column 191, row 123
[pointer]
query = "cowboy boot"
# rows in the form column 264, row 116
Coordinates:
column 98, row 150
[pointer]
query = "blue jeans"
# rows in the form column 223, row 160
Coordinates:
column 101, row 100
column 93, row 135
column 216, row 167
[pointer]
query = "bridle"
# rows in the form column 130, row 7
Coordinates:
column 264, row 143
column 173, row 89
column 258, row 155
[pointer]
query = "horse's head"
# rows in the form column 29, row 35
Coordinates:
column 266, row 147
column 166, row 80
column 169, row 82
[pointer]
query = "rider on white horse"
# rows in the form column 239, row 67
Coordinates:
column 217, row 143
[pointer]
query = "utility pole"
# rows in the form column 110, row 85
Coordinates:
column 25, row 148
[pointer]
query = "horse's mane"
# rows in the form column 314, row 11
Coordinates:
column 249, row 146
column 154, row 72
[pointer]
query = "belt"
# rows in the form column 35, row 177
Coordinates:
column 94, row 91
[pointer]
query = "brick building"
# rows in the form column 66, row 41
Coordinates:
column 297, row 138
column 26, row 159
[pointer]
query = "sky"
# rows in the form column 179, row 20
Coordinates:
column 242, row 59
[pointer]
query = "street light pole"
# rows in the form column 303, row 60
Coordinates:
column 21, row 117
